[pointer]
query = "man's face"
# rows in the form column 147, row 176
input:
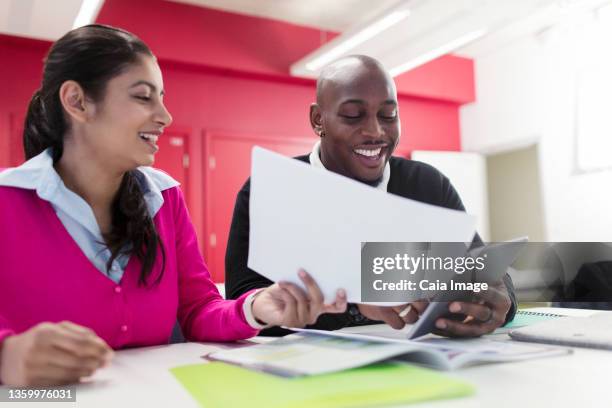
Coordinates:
column 358, row 113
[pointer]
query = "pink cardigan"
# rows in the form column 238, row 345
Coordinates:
column 45, row 277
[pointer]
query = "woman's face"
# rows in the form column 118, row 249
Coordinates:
column 127, row 122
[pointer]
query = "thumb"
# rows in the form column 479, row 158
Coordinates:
column 389, row 316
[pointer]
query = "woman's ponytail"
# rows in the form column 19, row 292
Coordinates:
column 43, row 128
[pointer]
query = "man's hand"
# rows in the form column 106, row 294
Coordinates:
column 486, row 313
column 391, row 315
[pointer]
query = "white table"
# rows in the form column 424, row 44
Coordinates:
column 140, row 378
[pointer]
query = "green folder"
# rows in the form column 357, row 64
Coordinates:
column 218, row 384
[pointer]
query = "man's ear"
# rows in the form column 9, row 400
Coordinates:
column 316, row 119
column 72, row 98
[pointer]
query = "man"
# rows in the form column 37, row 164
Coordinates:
column 356, row 117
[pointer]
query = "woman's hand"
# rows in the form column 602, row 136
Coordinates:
column 52, row 354
column 286, row 304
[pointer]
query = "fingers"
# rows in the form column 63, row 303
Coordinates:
column 420, row 306
column 300, row 303
column 480, row 312
column 314, row 295
column 314, row 292
column 316, row 299
column 339, row 305
column 290, row 307
column 407, row 313
column 79, row 341
column 482, row 318
column 410, row 313
column 450, row 328
column 390, row 316
column 496, row 294
column 51, row 354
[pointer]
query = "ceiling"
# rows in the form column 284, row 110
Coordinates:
column 41, row 19
column 431, row 23
column 332, row 15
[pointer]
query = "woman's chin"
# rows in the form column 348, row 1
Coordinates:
column 146, row 160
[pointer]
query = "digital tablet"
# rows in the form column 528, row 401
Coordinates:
column 499, row 256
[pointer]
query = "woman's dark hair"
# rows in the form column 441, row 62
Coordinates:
column 91, row 56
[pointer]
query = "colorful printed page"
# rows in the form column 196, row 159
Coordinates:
column 218, row 384
column 311, row 354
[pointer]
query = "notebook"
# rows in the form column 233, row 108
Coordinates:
column 222, row 385
column 593, row 331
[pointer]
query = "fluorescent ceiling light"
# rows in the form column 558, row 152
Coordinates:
column 438, row 52
column 358, row 38
column 87, row 13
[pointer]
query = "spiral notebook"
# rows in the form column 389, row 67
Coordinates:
column 593, row 331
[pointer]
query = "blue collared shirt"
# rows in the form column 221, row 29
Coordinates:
column 73, row 211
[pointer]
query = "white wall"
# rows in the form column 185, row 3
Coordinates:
column 468, row 174
column 525, row 91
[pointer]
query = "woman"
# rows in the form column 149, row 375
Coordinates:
column 98, row 251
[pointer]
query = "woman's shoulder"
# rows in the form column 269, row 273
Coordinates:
column 8, row 192
column 15, row 200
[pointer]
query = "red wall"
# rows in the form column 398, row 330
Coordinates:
column 20, row 75
column 234, row 42
column 228, row 73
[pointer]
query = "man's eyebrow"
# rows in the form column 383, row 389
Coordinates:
column 361, row 102
column 358, row 101
column 147, row 83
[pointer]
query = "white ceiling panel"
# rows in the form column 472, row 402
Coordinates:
column 433, row 28
column 41, row 19
column 333, row 15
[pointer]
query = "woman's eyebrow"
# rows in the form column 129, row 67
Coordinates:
column 147, row 83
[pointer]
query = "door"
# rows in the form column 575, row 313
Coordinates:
column 228, row 167
column 172, row 156
column 16, row 153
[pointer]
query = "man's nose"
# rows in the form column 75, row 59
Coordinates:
column 372, row 128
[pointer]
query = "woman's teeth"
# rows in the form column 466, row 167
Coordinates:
column 149, row 137
column 368, row 152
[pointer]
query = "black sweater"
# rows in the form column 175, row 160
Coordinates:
column 410, row 179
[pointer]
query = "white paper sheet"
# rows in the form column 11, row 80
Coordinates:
column 305, row 217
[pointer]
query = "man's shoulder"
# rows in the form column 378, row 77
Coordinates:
column 418, row 181
column 413, row 169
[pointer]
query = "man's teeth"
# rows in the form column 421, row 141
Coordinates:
column 149, row 137
column 368, row 153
